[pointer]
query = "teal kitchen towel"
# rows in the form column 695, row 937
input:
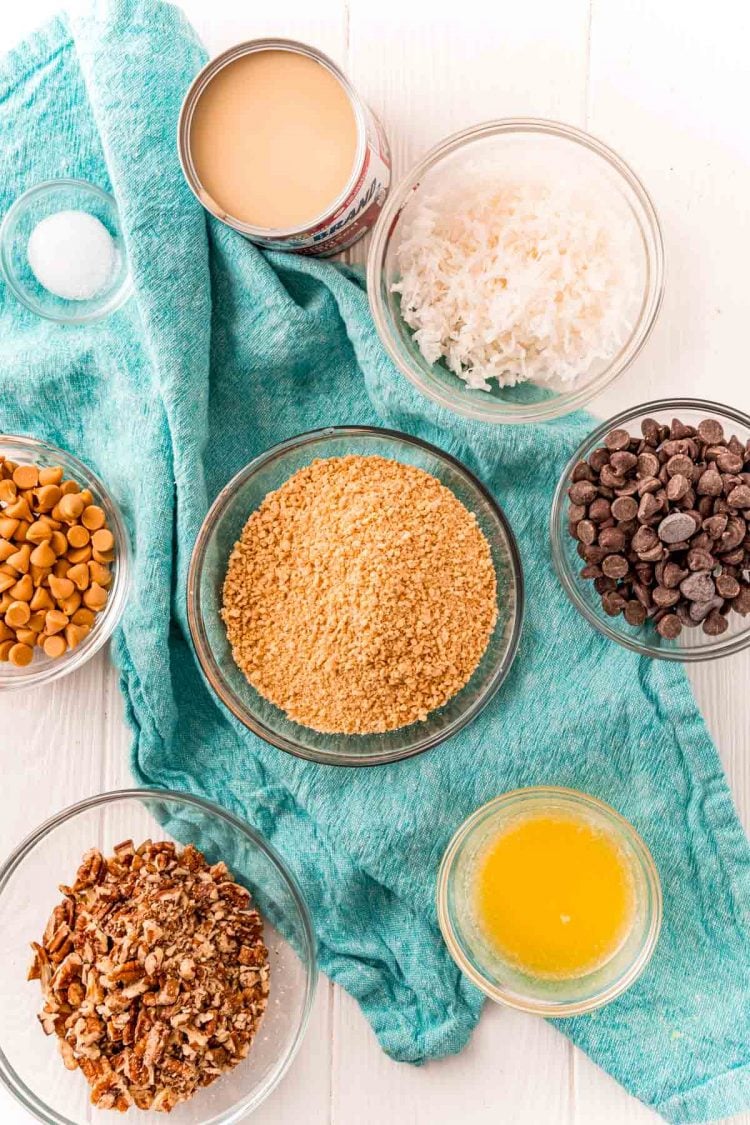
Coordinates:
column 224, row 351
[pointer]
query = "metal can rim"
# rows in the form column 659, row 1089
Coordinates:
column 192, row 97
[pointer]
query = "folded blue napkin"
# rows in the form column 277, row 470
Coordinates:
column 221, row 353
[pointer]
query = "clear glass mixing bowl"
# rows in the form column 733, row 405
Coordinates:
column 221, row 530
column 692, row 644
column 30, row 1062
column 518, row 141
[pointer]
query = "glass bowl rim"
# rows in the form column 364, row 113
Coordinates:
column 116, row 298
column 202, row 648
column 74, row 659
column 571, row 582
column 565, row 402
column 557, row 1009
column 15, row 1085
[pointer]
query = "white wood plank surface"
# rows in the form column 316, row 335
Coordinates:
column 665, row 84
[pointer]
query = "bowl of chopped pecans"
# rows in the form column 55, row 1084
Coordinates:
column 650, row 529
column 64, row 562
column 173, row 963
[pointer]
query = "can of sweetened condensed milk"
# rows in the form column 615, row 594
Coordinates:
column 275, row 142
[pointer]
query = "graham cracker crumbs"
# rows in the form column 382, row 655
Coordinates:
column 154, row 974
column 361, row 595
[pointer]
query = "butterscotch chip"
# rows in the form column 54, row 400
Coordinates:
column 55, row 646
column 8, row 527
column 60, row 587
column 6, row 634
column 79, row 575
column 103, row 540
column 5, row 647
column 39, row 532
column 61, row 568
column 54, row 622
column 93, row 517
column 78, row 535
column 21, row 531
column 79, row 555
column 103, row 557
column 21, row 655
column 68, row 487
column 36, row 621
column 68, row 606
column 17, row 614
column 39, row 575
column 75, row 633
column 6, row 581
column 95, row 597
column 100, row 573
column 20, row 560
column 361, row 596
column 23, row 590
column 8, row 491
column 41, row 599
column 6, row 549
column 83, row 616
column 50, row 474
column 58, row 543
column 19, row 509
column 47, row 497
column 71, row 506
column 26, row 476
column 26, row 636
column 43, row 555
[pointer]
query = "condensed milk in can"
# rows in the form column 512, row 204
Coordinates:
column 355, row 207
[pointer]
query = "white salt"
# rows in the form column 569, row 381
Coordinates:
column 72, row 254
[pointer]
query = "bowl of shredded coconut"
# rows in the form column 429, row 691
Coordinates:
column 62, row 252
column 516, row 271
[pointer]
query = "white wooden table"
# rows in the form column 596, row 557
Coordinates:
column 666, row 84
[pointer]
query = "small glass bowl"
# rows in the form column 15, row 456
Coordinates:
column 42, row 669
column 30, row 1063
column 692, row 644
column 484, row 966
column 29, row 209
column 517, row 140
column 220, row 531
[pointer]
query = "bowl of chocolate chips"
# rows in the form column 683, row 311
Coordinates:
column 651, row 529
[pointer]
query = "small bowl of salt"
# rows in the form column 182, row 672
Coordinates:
column 62, row 252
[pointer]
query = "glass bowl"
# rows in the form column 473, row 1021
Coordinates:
column 29, row 209
column 484, row 966
column 692, row 644
column 220, row 531
column 535, row 142
column 30, row 1063
column 42, row 669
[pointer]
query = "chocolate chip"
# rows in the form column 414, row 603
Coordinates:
column 715, row 526
column 676, row 527
column 715, row 624
column 680, row 429
column 648, row 465
column 699, row 559
column 624, row 508
column 677, row 487
column 648, row 507
column 651, row 430
column 739, row 497
column 613, row 539
column 598, row 459
column 665, row 598
column 673, row 574
column 710, row 483
column 711, row 431
column 613, row 603
column 669, row 627
column 680, row 465
column 699, row 611
column 698, row 587
column 615, row 566
column 617, row 439
column 623, row 462
column 586, row 532
column 582, row 492
column 635, row 613
column 741, row 604
column 600, row 510
column 582, row 471
column 611, row 479
column 728, row 462
column 727, row 586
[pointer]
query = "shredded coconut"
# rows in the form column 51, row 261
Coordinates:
column 517, row 280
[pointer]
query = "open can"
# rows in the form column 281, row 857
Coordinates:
column 356, row 208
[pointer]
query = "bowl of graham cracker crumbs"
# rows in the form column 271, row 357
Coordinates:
column 355, row 596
